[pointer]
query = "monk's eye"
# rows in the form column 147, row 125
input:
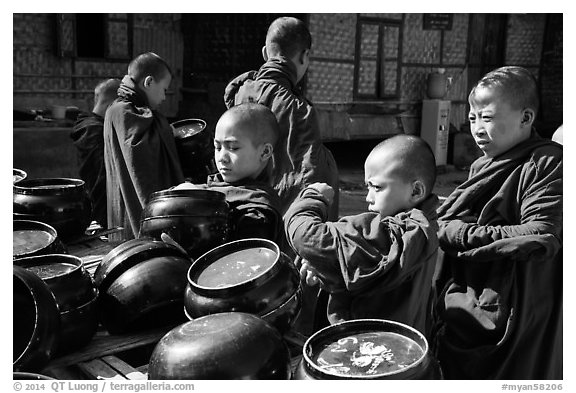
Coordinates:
column 374, row 187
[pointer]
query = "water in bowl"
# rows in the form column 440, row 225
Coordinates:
column 188, row 130
column 51, row 269
column 368, row 354
column 237, row 267
column 30, row 240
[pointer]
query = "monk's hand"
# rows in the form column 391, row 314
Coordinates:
column 325, row 190
column 452, row 235
column 309, row 274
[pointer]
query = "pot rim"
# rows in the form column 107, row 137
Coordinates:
column 20, row 273
column 90, row 303
column 20, row 173
column 24, row 375
column 185, row 122
column 365, row 323
column 60, row 258
column 214, row 254
column 61, row 184
column 297, row 293
column 211, row 195
column 217, row 215
column 107, row 272
column 32, row 224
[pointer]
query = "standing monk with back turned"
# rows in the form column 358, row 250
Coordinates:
column 139, row 147
column 88, row 137
column 300, row 157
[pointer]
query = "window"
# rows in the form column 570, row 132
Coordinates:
column 94, row 36
column 90, row 35
column 376, row 74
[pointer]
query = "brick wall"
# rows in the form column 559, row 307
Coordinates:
column 331, row 74
column 42, row 78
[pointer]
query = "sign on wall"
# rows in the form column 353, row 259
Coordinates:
column 437, row 22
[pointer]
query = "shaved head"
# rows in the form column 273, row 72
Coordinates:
column 411, row 157
column 287, row 36
column 107, row 90
column 255, row 118
column 514, row 84
column 148, row 64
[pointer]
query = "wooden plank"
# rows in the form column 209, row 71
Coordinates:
column 124, row 368
column 92, row 252
column 70, row 373
column 104, row 344
column 93, row 247
column 94, row 236
column 98, row 369
column 143, row 369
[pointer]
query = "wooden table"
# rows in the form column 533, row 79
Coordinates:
column 126, row 356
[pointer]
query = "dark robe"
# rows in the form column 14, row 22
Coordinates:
column 500, row 313
column 300, row 158
column 87, row 136
column 140, row 155
column 253, row 208
column 372, row 266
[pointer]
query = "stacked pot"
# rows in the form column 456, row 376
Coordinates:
column 240, row 298
column 248, row 275
column 62, row 203
column 140, row 284
column 31, row 238
column 196, row 219
column 36, row 321
column 366, row 349
column 54, row 295
column 54, row 308
column 229, row 345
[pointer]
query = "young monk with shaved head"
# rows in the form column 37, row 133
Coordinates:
column 500, row 297
column 377, row 264
column 140, row 153
column 244, row 142
column 300, row 157
column 88, row 138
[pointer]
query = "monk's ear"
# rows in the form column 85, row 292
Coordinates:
column 528, row 117
column 267, row 151
column 304, row 57
column 418, row 191
column 147, row 81
column 264, row 53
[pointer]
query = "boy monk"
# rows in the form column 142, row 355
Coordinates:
column 139, row 147
column 300, row 158
column 243, row 146
column 88, row 137
column 377, row 264
column 501, row 231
